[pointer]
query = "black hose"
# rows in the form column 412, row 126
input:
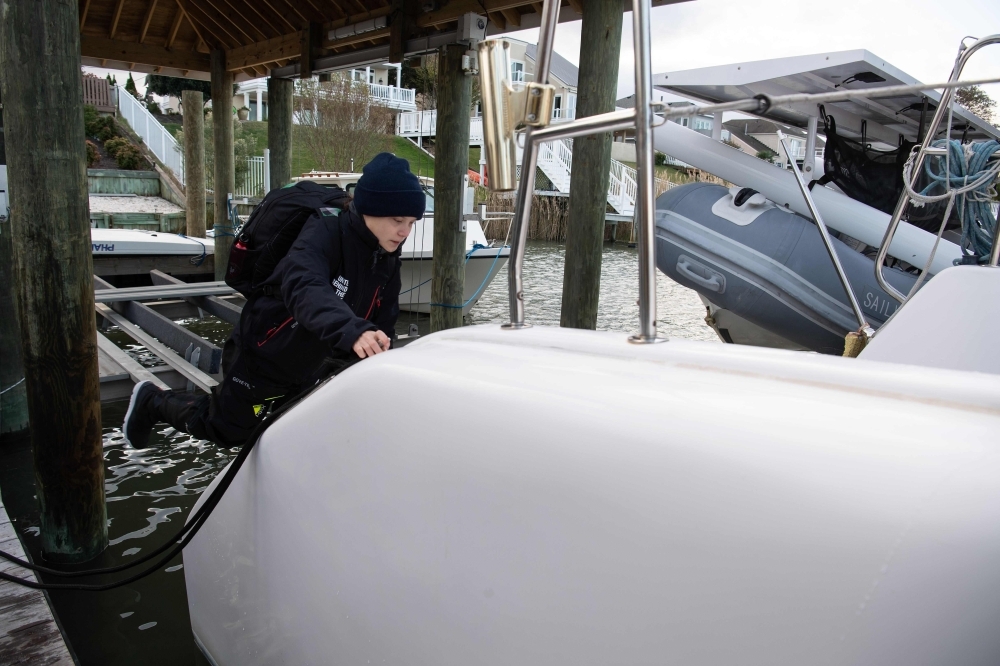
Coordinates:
column 186, row 532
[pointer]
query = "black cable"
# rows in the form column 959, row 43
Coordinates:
column 186, row 533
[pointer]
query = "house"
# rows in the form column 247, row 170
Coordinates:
column 760, row 138
column 703, row 123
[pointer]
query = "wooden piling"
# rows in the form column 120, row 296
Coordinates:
column 279, row 130
column 194, row 161
column 601, row 39
column 451, row 160
column 13, row 396
column 225, row 173
column 47, row 177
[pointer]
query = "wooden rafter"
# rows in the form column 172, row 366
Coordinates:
column 537, row 6
column 214, row 25
column 222, row 13
column 275, row 31
column 246, row 20
column 147, row 20
column 456, row 8
column 498, row 19
column 175, row 26
column 83, row 13
column 339, row 7
column 114, row 19
column 280, row 15
column 292, row 6
column 575, row 4
column 317, row 12
column 512, row 16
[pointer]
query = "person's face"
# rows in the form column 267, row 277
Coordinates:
column 390, row 231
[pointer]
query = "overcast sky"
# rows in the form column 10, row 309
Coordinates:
column 920, row 37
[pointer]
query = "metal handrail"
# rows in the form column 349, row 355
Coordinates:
column 948, row 94
column 864, row 328
column 640, row 118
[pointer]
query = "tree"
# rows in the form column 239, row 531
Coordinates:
column 976, row 99
column 342, row 122
column 244, row 147
column 174, row 86
column 130, row 87
column 421, row 75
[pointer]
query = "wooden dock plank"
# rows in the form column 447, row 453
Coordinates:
column 128, row 365
column 28, row 631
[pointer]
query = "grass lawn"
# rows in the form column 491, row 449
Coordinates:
column 421, row 163
column 303, row 161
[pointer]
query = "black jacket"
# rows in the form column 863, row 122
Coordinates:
column 335, row 283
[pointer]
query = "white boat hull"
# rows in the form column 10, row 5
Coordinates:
column 480, row 269
column 133, row 242
column 626, row 504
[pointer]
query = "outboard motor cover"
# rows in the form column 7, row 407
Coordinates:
column 767, row 265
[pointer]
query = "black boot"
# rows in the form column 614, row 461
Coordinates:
column 151, row 405
column 141, row 416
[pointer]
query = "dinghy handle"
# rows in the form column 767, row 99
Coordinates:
column 701, row 274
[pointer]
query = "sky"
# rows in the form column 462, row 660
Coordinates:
column 920, row 37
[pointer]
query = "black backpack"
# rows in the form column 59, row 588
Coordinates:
column 273, row 227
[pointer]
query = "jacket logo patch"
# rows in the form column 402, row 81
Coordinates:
column 329, row 212
column 341, row 285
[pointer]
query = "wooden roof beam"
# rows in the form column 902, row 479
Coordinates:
column 221, row 10
column 175, row 27
column 146, row 21
column 513, row 17
column 83, row 13
column 280, row 15
column 214, row 25
column 575, row 4
column 115, row 18
column 263, row 53
column 147, row 54
column 356, row 39
column 498, row 19
column 456, row 8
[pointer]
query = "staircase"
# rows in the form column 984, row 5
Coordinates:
column 555, row 159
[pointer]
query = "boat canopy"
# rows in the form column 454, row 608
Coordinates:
column 885, row 118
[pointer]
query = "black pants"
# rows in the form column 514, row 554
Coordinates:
column 229, row 415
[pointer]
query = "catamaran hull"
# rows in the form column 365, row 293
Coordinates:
column 480, row 269
column 767, row 266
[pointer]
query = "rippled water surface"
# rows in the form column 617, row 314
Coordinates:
column 150, row 492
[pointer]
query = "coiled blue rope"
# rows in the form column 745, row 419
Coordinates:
column 970, row 171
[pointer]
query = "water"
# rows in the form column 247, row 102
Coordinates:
column 150, row 492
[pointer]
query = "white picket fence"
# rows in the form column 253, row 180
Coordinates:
column 154, row 135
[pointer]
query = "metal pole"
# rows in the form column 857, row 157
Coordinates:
column 809, row 163
column 529, row 162
column 965, row 52
column 644, row 204
column 863, row 326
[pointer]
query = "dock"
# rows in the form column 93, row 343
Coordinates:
column 29, row 633
column 146, row 315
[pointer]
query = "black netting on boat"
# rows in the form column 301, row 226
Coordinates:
column 873, row 177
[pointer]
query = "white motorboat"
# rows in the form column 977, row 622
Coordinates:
column 132, row 242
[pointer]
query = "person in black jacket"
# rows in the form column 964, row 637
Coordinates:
column 334, row 296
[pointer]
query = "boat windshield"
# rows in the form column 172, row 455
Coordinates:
column 429, row 191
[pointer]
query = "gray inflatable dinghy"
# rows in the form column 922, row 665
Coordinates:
column 763, row 264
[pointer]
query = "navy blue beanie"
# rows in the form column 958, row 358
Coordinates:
column 387, row 188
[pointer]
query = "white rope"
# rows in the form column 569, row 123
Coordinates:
column 14, row 385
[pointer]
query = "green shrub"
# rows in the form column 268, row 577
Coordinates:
column 106, row 128
column 661, row 159
column 153, row 107
column 90, row 118
column 129, row 157
column 112, row 146
column 93, row 155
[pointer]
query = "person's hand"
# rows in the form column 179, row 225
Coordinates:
column 371, row 343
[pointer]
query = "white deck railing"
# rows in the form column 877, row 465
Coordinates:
column 393, row 97
column 154, row 135
column 253, row 184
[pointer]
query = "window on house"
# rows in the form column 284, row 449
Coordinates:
column 571, row 105
column 517, row 71
column 702, row 124
column 557, row 111
column 685, row 121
